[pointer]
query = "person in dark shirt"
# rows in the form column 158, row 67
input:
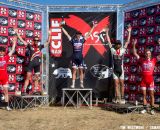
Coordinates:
column 35, row 59
column 77, row 57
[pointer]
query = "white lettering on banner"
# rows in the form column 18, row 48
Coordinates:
column 56, row 38
column 56, row 46
column 56, row 51
column 54, row 23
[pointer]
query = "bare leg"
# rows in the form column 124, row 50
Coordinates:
column 144, row 97
column 74, row 70
column 6, row 92
column 6, row 97
column 116, row 84
column 122, row 87
column 26, row 83
column 36, row 82
column 151, row 93
column 81, row 77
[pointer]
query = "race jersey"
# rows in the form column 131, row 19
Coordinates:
column 148, row 66
column 118, row 56
column 35, row 52
column 77, row 45
column 3, row 63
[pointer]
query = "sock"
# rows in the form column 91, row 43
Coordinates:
column 6, row 104
column 152, row 107
column 122, row 97
column 145, row 107
column 81, row 82
column 25, row 90
column 73, row 82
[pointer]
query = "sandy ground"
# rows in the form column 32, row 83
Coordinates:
column 58, row 118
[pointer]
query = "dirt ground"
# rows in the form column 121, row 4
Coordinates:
column 58, row 118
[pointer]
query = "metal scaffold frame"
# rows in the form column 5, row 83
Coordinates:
column 46, row 9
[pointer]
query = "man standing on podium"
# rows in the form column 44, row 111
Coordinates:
column 77, row 42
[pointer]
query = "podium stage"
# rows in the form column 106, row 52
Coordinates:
column 28, row 101
column 77, row 97
column 123, row 108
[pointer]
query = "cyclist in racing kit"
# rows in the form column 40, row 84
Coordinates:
column 3, row 70
column 118, row 71
column 77, row 58
column 147, row 65
column 35, row 59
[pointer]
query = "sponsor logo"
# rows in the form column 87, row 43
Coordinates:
column 94, row 39
column 12, row 13
column 11, row 31
column 29, row 16
column 150, row 30
column 157, row 19
column 20, row 60
column 132, row 87
column 135, row 13
column 3, row 40
column 19, row 78
column 133, row 69
column 3, row 21
column 21, row 24
column 62, row 73
column 2, row 97
column 56, row 38
column 37, row 26
column 11, row 87
column 11, row 68
column 29, row 33
column 101, row 71
column 142, row 21
column 135, row 32
column 151, row 10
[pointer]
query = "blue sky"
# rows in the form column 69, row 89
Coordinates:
column 78, row 2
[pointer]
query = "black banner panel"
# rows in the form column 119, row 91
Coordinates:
column 146, row 29
column 96, row 53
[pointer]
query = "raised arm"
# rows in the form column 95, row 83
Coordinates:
column 49, row 39
column 90, row 32
column 66, row 33
column 134, row 42
column 13, row 46
column 108, row 38
column 129, row 29
column 20, row 38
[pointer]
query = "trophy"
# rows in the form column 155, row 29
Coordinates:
column 62, row 23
